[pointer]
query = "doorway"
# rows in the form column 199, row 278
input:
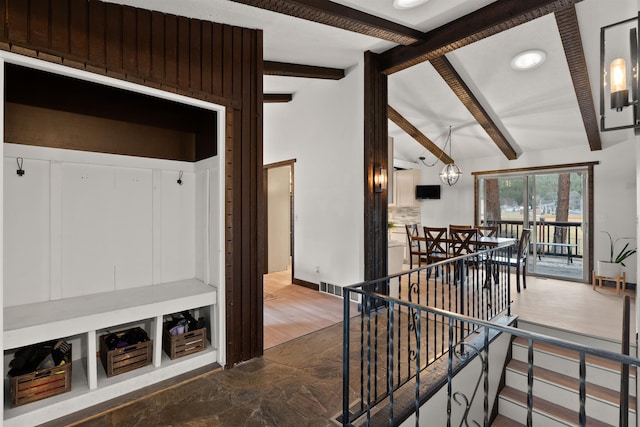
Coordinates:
column 554, row 203
column 278, row 178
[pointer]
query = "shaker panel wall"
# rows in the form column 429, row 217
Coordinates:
column 87, row 245
column 132, row 228
column 26, row 232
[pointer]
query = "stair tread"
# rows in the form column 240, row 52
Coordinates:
column 549, row 408
column 502, row 421
column 571, row 383
column 572, row 354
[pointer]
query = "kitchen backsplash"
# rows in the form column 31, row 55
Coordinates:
column 401, row 216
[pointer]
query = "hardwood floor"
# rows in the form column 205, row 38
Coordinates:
column 291, row 311
column 573, row 306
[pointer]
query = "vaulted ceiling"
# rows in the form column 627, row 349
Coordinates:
column 448, row 63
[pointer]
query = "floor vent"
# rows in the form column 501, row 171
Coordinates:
column 328, row 288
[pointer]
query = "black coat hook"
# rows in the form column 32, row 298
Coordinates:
column 20, row 171
column 179, row 178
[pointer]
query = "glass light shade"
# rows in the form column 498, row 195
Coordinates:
column 407, row 4
column 450, row 174
column 379, row 179
column 528, row 60
column 618, row 74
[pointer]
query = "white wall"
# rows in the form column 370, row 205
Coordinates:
column 614, row 190
column 80, row 223
column 322, row 128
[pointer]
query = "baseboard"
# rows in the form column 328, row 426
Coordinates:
column 306, row 284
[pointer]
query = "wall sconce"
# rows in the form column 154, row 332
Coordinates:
column 379, row 179
column 619, row 73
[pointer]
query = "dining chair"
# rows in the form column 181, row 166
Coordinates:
column 436, row 243
column 416, row 246
column 487, row 230
column 462, row 241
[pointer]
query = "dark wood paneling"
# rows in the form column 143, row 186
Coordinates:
column 157, row 46
column 129, row 39
column 209, row 61
column 78, row 20
column 171, row 49
column 375, row 154
column 218, row 56
column 18, row 19
column 43, row 127
column 39, row 22
column 97, row 28
column 207, row 57
column 195, row 53
column 143, row 18
column 183, row 52
column 113, row 35
column 3, row 22
column 60, row 21
column 227, row 62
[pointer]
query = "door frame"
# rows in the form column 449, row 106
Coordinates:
column 588, row 250
column 290, row 163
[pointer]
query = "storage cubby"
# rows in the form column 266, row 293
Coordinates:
column 97, row 238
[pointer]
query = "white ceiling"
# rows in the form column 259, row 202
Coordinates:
column 535, row 109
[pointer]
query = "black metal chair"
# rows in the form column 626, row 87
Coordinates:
column 520, row 260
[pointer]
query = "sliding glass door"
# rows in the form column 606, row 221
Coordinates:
column 553, row 204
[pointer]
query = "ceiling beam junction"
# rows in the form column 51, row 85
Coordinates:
column 340, row 16
column 413, row 132
column 567, row 21
column 272, row 68
column 492, row 19
column 468, row 99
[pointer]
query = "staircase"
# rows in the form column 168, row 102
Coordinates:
column 556, row 386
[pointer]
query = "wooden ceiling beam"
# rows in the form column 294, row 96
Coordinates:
column 276, row 97
column 272, row 68
column 462, row 91
column 415, row 133
column 487, row 21
column 567, row 21
column 340, row 16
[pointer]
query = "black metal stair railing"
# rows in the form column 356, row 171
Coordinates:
column 392, row 346
column 422, row 326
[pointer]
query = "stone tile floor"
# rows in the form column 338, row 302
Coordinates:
column 294, row 384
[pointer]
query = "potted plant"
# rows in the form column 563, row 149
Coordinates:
column 613, row 266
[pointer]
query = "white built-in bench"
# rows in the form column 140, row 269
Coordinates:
column 85, row 315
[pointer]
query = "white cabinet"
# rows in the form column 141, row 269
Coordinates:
column 404, row 184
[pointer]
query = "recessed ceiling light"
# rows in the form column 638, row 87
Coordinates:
column 407, row 4
column 528, row 59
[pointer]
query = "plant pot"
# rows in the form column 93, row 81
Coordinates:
column 609, row 269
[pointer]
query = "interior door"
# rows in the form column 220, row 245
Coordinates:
column 278, row 218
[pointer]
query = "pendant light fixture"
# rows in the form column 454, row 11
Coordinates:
column 451, row 173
